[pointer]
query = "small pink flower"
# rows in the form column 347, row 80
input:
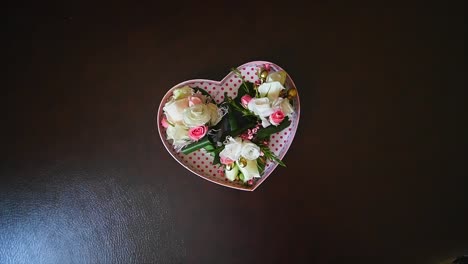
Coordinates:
column 195, row 133
column 249, row 134
column 277, row 117
column 225, row 160
column 164, row 122
column 245, row 100
column 267, row 66
column 250, row 182
column 194, row 100
column 246, row 136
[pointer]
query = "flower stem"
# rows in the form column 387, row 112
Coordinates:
column 238, row 73
column 205, row 142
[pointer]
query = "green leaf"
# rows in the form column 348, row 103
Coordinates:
column 196, row 145
column 209, row 148
column 245, row 87
column 216, row 159
column 240, row 92
column 215, row 153
column 270, row 155
column 237, row 106
column 261, row 165
column 232, row 119
column 276, row 159
column 265, row 133
column 239, row 131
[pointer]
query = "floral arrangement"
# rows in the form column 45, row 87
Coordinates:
column 188, row 115
column 236, row 131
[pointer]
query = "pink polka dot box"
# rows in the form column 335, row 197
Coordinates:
column 200, row 124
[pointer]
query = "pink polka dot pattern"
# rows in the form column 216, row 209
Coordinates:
column 201, row 162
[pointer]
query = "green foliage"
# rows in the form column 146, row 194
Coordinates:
column 271, row 156
column 265, row 133
column 202, row 143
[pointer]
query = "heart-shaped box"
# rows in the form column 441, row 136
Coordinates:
column 200, row 162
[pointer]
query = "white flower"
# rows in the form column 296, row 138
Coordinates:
column 284, row 105
column 277, row 103
column 183, row 92
column 279, row 76
column 270, row 90
column 250, row 170
column 196, row 115
column 177, row 133
column 265, row 122
column 174, row 109
column 232, row 174
column 214, row 113
column 232, row 148
column 250, row 151
column 260, row 106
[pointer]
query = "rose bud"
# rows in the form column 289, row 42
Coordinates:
column 277, row 117
column 194, row 100
column 245, row 100
column 196, row 133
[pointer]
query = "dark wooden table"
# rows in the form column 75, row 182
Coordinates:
column 375, row 173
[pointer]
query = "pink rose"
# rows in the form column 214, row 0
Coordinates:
column 245, row 100
column 164, row 122
column 194, row 100
column 195, row 133
column 225, row 160
column 277, row 117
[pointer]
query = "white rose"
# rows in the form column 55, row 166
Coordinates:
column 270, row 90
column 260, row 106
column 196, row 115
column 250, row 171
column 183, row 92
column 279, row 76
column 214, row 113
column 232, row 148
column 177, row 133
column 284, row 105
column 250, row 151
column 174, row 109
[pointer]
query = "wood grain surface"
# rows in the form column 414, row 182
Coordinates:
column 375, row 173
